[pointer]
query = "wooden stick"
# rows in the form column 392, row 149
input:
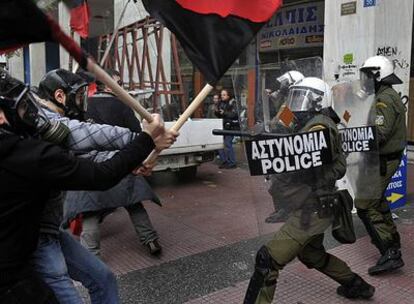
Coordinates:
column 118, row 91
column 183, row 118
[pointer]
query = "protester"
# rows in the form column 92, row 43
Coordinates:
column 105, row 108
column 29, row 180
column 59, row 258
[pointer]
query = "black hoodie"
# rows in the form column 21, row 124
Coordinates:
column 30, row 170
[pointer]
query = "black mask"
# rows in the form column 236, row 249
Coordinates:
column 76, row 104
column 24, row 115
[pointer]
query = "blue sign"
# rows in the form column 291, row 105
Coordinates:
column 396, row 193
column 368, row 3
column 294, row 26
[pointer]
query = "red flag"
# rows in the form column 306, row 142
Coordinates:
column 79, row 17
column 256, row 11
column 213, row 33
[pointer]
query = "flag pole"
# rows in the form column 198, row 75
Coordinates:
column 183, row 118
column 123, row 95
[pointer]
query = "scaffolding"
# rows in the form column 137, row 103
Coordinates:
column 141, row 64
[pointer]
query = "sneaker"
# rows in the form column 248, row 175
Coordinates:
column 223, row 165
column 154, row 247
column 390, row 261
column 357, row 288
column 233, row 166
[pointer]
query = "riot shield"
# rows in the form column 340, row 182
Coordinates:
column 355, row 106
column 274, row 82
column 288, row 186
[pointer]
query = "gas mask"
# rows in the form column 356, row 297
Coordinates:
column 26, row 118
column 73, row 86
column 76, row 102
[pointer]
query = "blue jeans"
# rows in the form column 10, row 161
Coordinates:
column 227, row 154
column 58, row 259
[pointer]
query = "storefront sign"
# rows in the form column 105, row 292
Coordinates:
column 296, row 26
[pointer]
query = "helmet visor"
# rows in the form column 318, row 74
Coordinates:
column 304, row 99
column 367, row 81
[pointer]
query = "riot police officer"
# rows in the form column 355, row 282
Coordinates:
column 277, row 99
column 302, row 193
column 390, row 121
column 282, row 84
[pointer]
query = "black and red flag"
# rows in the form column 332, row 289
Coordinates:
column 22, row 23
column 79, row 17
column 213, row 33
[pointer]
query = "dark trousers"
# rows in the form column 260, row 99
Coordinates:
column 30, row 290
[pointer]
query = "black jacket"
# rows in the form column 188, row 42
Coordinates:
column 106, row 108
column 229, row 115
column 30, row 170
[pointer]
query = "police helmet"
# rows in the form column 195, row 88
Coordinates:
column 309, row 94
column 381, row 69
column 288, row 79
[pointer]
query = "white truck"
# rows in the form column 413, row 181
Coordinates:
column 195, row 145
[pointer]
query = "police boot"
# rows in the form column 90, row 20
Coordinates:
column 390, row 261
column 279, row 216
column 357, row 288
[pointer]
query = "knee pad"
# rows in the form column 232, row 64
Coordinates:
column 261, row 277
column 263, row 260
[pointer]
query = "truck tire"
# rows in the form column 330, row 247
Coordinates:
column 187, row 173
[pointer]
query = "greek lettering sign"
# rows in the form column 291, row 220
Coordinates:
column 295, row 26
column 359, row 139
column 289, row 153
column 397, row 189
column 348, row 8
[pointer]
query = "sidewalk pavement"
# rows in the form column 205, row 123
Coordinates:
column 215, row 212
column 299, row 285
